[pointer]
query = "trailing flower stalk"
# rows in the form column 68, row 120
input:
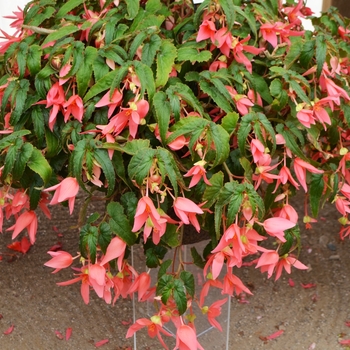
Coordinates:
column 209, row 118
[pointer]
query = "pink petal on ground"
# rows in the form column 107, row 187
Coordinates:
column 101, row 343
column 291, row 282
column 275, row 335
column 308, row 285
column 59, row 335
column 68, row 333
column 344, row 342
column 9, row 330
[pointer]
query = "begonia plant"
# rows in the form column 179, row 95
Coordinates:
column 189, row 122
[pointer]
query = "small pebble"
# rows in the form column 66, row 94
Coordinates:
column 334, row 257
column 332, row 246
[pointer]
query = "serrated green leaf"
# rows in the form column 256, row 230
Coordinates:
column 104, row 236
column 61, row 33
column 84, row 73
column 234, row 205
column 162, row 108
column 296, row 86
column 92, row 218
column 197, row 259
column 211, row 193
column 316, row 191
column 130, row 147
column 321, row 52
column 154, row 256
column 22, row 58
column 101, row 85
column 34, row 59
column 229, row 122
column 245, row 128
column 259, row 85
column 129, row 202
column 39, row 165
column 180, row 296
column 249, row 16
column 150, row 49
column 132, row 8
column 171, row 237
column 140, row 165
column 193, row 55
column 230, row 12
column 20, row 98
column 188, row 280
column 67, row 7
column 269, row 128
column 88, row 242
column 163, row 267
column 11, row 138
column 23, row 157
column 119, row 223
column 136, row 43
column 11, row 156
column 53, row 145
column 164, row 287
column 102, row 158
column 276, row 87
column 165, row 62
column 145, row 75
column 248, row 171
column 169, row 168
column 222, row 101
column 255, row 200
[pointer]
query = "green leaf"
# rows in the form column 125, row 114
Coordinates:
column 102, row 158
column 22, row 58
column 321, row 52
column 296, row 86
column 197, row 259
column 164, row 287
column 163, row 112
column 163, row 267
column 229, row 122
column 221, row 100
column 129, row 202
column 88, row 242
column 188, row 280
column 67, row 7
column 171, row 237
column 150, row 49
column 180, row 296
column 133, row 8
column 255, row 200
column 145, row 75
column 269, row 128
column 230, row 12
column 249, row 16
column 211, row 193
column 165, row 62
column 104, row 236
column 39, row 165
column 11, row 138
column 101, row 85
column 130, row 147
column 119, row 223
column 193, row 55
column 23, row 157
column 276, row 87
column 21, row 97
column 53, row 145
column 169, row 168
column 248, row 171
column 244, row 130
column 136, row 43
column 259, row 85
column 84, row 73
column 61, row 33
column 307, row 53
column 11, row 158
column 154, row 256
column 316, row 191
column 140, row 164
column 34, row 59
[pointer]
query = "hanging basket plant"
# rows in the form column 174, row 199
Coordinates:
column 209, row 116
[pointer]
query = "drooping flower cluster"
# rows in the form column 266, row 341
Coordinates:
column 205, row 120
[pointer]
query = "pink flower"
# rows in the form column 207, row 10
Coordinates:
column 257, row 149
column 300, row 168
column 223, row 40
column 276, row 226
column 141, row 285
column 63, row 72
column 59, row 261
column 232, row 284
column 306, row 117
column 145, row 210
column 115, row 250
column 75, row 107
column 27, row 220
column 154, row 328
column 197, row 172
column 285, row 176
column 66, row 190
column 213, row 311
column 111, row 101
column 186, row 339
column 207, row 30
column 186, row 211
column 242, row 102
column 268, row 261
column 286, row 262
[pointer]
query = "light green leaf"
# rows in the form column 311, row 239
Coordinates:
column 34, row 59
column 321, row 52
column 130, row 147
column 133, row 8
column 193, row 55
column 165, row 62
column 67, row 7
column 150, row 49
column 145, row 75
column 316, row 191
column 61, row 33
column 229, row 122
column 39, row 165
column 84, row 73
column 140, row 165
column 211, row 193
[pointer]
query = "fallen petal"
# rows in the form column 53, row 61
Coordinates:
column 308, row 285
column 101, row 342
column 9, row 330
column 59, row 335
column 291, row 282
column 275, row 335
column 68, row 333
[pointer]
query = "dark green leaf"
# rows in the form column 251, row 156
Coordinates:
column 61, row 33
column 102, row 158
column 180, row 296
column 101, row 85
column 88, row 242
column 163, row 267
column 197, row 259
column 163, row 112
column 188, row 280
column 145, row 75
column 67, row 7
column 316, row 191
column 321, row 52
column 34, row 59
column 84, row 73
column 21, row 97
column 259, row 85
column 164, row 287
column 104, row 236
column 129, row 202
column 133, row 8
column 11, row 156
column 119, row 223
column 165, row 62
column 11, row 138
column 222, row 101
column 229, row 122
column 23, row 157
column 193, row 55
column 150, row 49
column 140, row 165
column 211, row 193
